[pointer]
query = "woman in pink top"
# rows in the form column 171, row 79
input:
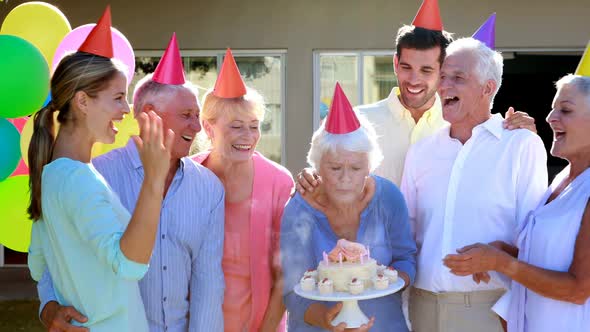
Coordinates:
column 256, row 191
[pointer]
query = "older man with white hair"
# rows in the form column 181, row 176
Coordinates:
column 472, row 181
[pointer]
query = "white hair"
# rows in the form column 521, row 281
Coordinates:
column 363, row 139
column 581, row 83
column 148, row 91
column 489, row 63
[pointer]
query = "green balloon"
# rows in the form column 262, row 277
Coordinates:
column 9, row 149
column 24, row 77
column 15, row 225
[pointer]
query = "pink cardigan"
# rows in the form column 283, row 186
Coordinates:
column 271, row 190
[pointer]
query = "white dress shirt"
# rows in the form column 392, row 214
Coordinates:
column 397, row 130
column 477, row 192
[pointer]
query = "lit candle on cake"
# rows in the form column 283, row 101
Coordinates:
column 368, row 253
column 325, row 257
column 340, row 258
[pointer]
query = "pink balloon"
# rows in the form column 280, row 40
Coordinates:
column 72, row 41
column 19, row 123
column 21, row 169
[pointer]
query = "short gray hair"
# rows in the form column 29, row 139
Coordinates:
column 582, row 83
column 489, row 63
column 363, row 139
column 148, row 91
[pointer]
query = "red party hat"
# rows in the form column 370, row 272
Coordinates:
column 229, row 84
column 341, row 118
column 99, row 40
column 170, row 69
column 428, row 16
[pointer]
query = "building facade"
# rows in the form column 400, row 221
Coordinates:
column 294, row 51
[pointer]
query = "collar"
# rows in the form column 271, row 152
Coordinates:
column 493, row 125
column 200, row 157
column 401, row 112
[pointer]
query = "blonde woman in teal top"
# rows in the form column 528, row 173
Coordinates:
column 93, row 248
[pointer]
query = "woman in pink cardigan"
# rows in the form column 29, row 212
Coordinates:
column 256, row 191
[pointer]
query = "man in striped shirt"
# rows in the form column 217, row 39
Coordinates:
column 183, row 288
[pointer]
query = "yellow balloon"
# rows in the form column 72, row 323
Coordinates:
column 27, row 134
column 25, row 139
column 15, row 225
column 127, row 128
column 584, row 65
column 39, row 23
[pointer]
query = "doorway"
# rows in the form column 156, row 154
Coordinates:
column 529, row 86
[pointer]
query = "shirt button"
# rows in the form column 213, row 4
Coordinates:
column 165, row 298
column 163, row 236
column 164, row 267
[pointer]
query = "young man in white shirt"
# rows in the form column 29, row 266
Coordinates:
column 472, row 181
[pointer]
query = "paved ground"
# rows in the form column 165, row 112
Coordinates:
column 19, row 315
column 18, row 301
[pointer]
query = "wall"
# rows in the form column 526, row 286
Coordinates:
column 301, row 26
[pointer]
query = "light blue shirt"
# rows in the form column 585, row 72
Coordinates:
column 77, row 240
column 384, row 227
column 183, row 288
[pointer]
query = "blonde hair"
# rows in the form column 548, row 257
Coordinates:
column 76, row 72
column 213, row 107
column 251, row 102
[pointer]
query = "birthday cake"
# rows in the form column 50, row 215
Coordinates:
column 348, row 268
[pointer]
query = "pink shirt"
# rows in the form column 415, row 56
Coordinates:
column 236, row 266
column 270, row 192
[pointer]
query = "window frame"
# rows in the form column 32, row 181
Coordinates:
column 507, row 53
column 360, row 54
column 3, row 264
column 220, row 53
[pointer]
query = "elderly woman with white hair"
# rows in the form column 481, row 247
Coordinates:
column 349, row 204
column 550, row 267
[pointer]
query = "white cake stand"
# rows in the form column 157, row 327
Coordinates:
column 351, row 313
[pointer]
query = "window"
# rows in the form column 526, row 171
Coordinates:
column 365, row 77
column 261, row 70
column 9, row 257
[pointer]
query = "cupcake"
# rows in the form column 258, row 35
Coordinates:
column 381, row 282
column 390, row 273
column 307, row 283
column 326, row 286
column 355, row 286
column 311, row 273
